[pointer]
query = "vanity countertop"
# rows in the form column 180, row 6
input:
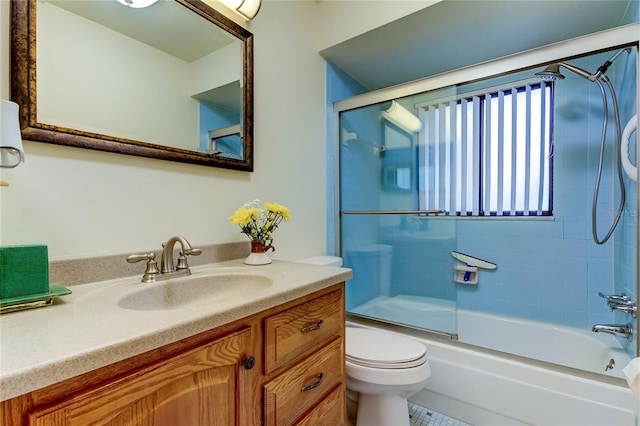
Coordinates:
column 87, row 329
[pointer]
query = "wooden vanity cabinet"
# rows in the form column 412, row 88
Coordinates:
column 283, row 366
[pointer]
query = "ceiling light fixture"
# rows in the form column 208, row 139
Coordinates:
column 137, row 4
column 401, row 117
column 247, row 8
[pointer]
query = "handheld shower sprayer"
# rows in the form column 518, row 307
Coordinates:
column 552, row 73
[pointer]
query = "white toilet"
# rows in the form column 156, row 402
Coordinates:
column 385, row 369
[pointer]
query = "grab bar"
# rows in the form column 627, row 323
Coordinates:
column 427, row 212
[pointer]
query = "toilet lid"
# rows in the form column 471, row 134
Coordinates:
column 380, row 349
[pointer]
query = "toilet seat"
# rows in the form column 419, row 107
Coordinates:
column 378, row 349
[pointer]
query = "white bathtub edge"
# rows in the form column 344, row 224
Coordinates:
column 485, row 389
column 529, row 402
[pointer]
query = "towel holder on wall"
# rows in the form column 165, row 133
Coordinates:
column 629, row 168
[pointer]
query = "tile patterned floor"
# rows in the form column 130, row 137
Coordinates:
column 421, row 416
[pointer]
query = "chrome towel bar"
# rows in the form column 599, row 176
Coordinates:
column 425, row 212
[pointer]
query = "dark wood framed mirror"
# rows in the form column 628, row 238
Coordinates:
column 180, row 89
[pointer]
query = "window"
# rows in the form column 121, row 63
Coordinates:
column 488, row 153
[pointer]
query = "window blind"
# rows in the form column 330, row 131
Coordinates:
column 488, row 153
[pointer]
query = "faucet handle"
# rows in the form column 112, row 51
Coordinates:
column 133, row 258
column 614, row 298
column 629, row 308
column 182, row 258
column 191, row 252
column 621, row 302
column 152, row 266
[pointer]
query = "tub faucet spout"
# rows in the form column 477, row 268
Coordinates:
column 625, row 330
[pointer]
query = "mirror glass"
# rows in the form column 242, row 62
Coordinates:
column 171, row 81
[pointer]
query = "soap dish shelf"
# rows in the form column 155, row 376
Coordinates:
column 468, row 272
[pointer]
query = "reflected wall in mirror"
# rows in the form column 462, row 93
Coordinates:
column 173, row 81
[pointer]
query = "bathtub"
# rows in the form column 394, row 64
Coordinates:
column 499, row 386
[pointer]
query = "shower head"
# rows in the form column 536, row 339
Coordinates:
column 550, row 73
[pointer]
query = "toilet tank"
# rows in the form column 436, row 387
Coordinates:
column 322, row 260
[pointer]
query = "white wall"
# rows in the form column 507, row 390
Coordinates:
column 227, row 62
column 83, row 203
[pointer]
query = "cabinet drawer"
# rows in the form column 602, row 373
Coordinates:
column 300, row 329
column 299, row 389
column 330, row 411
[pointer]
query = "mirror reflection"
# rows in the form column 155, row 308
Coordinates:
column 169, row 81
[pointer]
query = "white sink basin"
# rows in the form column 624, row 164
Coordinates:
column 213, row 288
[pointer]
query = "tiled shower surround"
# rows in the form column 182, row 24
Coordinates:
column 549, row 268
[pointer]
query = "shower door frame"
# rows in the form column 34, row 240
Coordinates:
column 557, row 52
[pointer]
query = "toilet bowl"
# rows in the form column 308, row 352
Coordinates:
column 384, row 369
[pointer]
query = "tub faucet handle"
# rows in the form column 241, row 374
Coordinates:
column 621, row 302
column 614, row 298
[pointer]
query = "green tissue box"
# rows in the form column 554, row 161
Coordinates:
column 24, row 271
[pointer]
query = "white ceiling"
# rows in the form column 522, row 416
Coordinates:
column 454, row 34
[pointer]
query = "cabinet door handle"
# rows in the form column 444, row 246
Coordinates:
column 249, row 362
column 313, row 385
column 312, row 327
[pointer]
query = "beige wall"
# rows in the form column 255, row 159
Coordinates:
column 83, row 203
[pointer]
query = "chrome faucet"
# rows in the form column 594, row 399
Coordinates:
column 625, row 330
column 621, row 302
column 167, row 270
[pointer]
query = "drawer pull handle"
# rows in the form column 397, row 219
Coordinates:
column 313, row 385
column 312, row 328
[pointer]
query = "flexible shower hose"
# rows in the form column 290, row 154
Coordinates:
column 596, row 190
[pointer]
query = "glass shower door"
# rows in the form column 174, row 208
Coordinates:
column 400, row 256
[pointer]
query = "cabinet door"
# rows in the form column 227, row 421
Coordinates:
column 199, row 387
